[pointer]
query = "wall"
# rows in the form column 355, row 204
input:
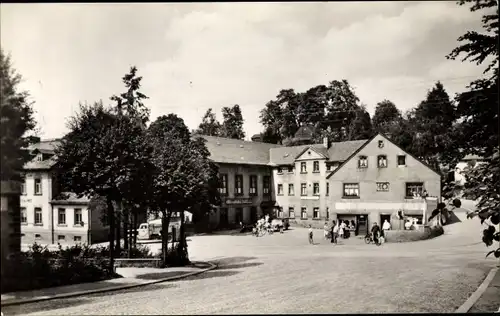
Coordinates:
column 424, row 232
column 375, row 203
column 30, row 201
column 285, row 201
column 70, row 230
column 246, row 170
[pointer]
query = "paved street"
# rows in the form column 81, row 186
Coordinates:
column 282, row 273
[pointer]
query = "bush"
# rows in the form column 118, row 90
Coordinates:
column 39, row 268
column 175, row 258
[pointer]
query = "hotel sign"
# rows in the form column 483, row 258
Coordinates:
column 239, row 201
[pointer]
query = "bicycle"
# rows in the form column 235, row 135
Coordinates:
column 369, row 239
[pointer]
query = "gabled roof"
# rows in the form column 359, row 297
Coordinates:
column 46, row 164
column 341, row 151
column 235, row 151
column 287, row 155
column 366, row 142
column 46, row 146
column 70, row 198
column 318, row 149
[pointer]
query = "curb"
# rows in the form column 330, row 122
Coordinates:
column 111, row 288
column 477, row 294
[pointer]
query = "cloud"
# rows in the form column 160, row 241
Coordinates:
column 197, row 56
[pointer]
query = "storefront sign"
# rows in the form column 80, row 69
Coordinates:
column 238, row 201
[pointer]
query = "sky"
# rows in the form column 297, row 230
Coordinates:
column 195, row 56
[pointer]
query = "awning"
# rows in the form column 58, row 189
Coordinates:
column 267, row 203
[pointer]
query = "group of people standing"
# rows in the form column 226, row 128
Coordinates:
column 340, row 229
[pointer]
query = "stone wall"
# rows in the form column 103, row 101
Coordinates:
column 138, row 263
column 422, row 233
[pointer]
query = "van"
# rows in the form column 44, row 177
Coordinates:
column 153, row 230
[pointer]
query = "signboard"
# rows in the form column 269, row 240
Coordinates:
column 238, row 201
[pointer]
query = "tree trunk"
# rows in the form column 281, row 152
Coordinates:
column 182, row 242
column 118, row 235
column 126, row 236
column 134, row 227
column 165, row 221
column 111, row 236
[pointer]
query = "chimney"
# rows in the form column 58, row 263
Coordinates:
column 325, row 142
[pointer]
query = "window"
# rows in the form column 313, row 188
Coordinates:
column 23, row 187
column 61, row 216
column 363, row 162
column 414, row 189
column 303, row 189
column 266, row 185
column 61, row 237
column 290, row 169
column 280, row 170
column 335, row 165
column 316, row 188
column 291, row 212
column 39, row 157
column 24, row 216
column 316, row 212
column 327, row 188
column 38, row 186
column 401, row 160
column 383, row 186
column 327, row 213
column 253, row 185
column 316, row 166
column 223, row 183
column 280, row 213
column 291, row 189
column 351, row 190
column 78, row 216
column 238, row 187
column 77, row 238
column 38, row 216
column 303, row 167
column 280, row 189
column 328, row 167
column 380, row 144
column 303, row 213
column 382, row 161
column 38, row 236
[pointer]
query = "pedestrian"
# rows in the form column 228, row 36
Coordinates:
column 386, row 225
column 326, row 230
column 310, row 234
column 341, row 229
column 335, row 232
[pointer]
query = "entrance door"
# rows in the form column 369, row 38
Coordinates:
column 223, row 222
column 362, row 224
column 239, row 215
column 253, row 214
column 383, row 218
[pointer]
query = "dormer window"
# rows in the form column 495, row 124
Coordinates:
column 382, row 161
column 328, row 167
column 290, row 169
column 280, row 170
column 363, row 162
column 39, row 157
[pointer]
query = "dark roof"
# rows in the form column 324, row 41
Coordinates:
column 46, row 164
column 70, row 198
column 304, row 132
column 235, row 151
column 44, row 147
column 339, row 151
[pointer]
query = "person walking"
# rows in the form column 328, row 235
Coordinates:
column 341, row 229
column 326, row 230
column 334, row 232
column 310, row 235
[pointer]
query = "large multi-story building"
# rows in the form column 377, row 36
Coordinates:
column 364, row 181
column 49, row 216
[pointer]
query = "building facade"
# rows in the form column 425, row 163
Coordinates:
column 363, row 181
column 49, row 216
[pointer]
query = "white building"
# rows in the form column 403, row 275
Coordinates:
column 49, row 216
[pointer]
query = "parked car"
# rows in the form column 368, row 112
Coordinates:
column 279, row 223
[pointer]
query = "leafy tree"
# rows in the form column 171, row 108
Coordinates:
column 17, row 120
column 361, row 126
column 130, row 102
column 232, row 126
column 181, row 174
column 209, row 124
column 104, row 154
column 386, row 116
column 478, row 110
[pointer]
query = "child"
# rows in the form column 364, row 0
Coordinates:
column 310, row 235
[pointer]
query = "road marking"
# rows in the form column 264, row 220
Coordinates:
column 477, row 294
